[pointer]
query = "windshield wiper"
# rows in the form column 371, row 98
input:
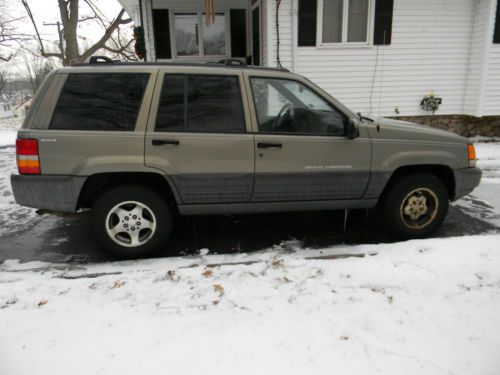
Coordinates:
column 361, row 117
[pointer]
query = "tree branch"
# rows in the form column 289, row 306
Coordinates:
column 109, row 31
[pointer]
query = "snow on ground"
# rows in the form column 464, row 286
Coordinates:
column 419, row 307
column 416, row 307
column 8, row 130
column 484, row 202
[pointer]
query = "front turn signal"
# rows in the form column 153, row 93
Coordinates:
column 471, row 154
column 472, row 151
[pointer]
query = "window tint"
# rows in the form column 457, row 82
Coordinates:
column 285, row 106
column 200, row 103
column 100, row 101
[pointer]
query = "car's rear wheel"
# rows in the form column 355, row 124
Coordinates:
column 131, row 221
column 414, row 206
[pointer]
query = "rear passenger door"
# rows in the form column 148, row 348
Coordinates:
column 197, row 134
column 94, row 120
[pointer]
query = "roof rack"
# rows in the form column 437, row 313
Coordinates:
column 226, row 63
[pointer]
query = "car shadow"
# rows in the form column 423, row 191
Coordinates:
column 68, row 240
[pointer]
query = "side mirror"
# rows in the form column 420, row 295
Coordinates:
column 352, row 130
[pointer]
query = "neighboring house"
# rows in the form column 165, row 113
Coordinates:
column 20, row 110
column 376, row 56
column 5, row 107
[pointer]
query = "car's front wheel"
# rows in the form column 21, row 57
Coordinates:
column 131, row 221
column 414, row 206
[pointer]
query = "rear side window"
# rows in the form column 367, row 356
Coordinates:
column 200, row 103
column 100, row 101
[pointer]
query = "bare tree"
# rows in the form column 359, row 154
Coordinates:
column 37, row 68
column 69, row 48
column 3, row 80
column 9, row 36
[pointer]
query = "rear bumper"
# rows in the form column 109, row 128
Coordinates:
column 53, row 193
column 466, row 179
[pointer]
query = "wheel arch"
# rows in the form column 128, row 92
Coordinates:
column 443, row 172
column 98, row 183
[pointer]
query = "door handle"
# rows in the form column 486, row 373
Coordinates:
column 159, row 142
column 269, row 145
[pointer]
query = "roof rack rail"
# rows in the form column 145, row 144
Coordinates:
column 226, row 63
column 232, row 62
column 101, row 60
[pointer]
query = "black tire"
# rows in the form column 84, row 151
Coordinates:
column 401, row 204
column 152, row 212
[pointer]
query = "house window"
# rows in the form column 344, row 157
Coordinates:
column 496, row 33
column 194, row 38
column 344, row 21
column 186, row 34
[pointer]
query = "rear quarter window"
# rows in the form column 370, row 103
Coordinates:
column 100, row 101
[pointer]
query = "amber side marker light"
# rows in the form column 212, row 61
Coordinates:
column 27, row 156
column 472, row 154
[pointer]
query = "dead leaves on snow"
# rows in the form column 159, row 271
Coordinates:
column 42, row 302
column 207, row 273
column 118, row 284
column 219, row 289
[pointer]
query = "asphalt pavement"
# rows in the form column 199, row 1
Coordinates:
column 67, row 239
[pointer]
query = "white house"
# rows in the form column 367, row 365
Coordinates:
column 376, row 56
column 5, row 107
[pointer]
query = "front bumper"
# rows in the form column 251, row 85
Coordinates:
column 466, row 179
column 53, row 193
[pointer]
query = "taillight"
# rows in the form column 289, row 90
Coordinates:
column 28, row 161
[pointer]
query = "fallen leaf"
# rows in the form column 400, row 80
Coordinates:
column 171, row 276
column 390, row 299
column 344, row 337
column 219, row 289
column 208, row 273
column 118, row 284
column 42, row 302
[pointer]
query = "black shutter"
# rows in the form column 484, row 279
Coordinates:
column 238, row 20
column 161, row 30
column 307, row 22
column 496, row 35
column 383, row 22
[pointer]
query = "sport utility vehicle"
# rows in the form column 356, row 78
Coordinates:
column 138, row 144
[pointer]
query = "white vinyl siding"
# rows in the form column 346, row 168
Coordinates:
column 428, row 53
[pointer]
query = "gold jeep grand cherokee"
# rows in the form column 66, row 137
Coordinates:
column 139, row 143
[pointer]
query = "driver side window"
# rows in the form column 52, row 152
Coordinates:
column 287, row 106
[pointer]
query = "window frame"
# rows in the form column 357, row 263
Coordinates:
column 201, row 52
column 312, row 89
column 184, row 131
column 345, row 20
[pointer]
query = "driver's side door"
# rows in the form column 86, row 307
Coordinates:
column 302, row 153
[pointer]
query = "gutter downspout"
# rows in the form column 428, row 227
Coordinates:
column 294, row 13
column 469, row 57
column 140, row 14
